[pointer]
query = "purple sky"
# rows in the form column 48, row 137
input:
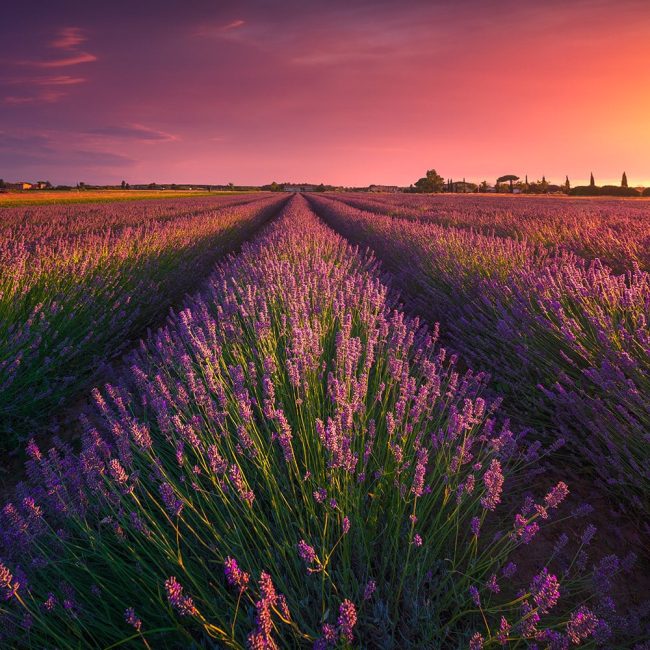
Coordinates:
column 340, row 92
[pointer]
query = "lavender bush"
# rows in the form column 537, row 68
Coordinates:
column 567, row 341
column 77, row 285
column 292, row 462
column 615, row 231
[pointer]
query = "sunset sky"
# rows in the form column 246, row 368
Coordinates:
column 342, row 92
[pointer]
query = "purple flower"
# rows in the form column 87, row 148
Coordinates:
column 234, row 575
column 320, row 495
column 50, row 603
column 493, row 584
column 174, row 506
column 369, row 589
column 184, row 605
column 261, row 637
column 475, row 596
column 238, row 481
column 306, row 552
column 420, row 468
column 8, row 586
column 347, row 620
column 417, row 540
column 555, row 497
column 475, row 526
column 117, row 472
column 217, row 464
column 529, row 620
column 476, row 642
column 131, row 618
column 581, row 625
column 493, row 481
column 345, row 525
column 509, row 570
column 545, row 589
column 561, row 542
column 504, row 631
column 588, row 534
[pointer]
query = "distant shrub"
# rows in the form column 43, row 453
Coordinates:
column 617, row 190
column 605, row 190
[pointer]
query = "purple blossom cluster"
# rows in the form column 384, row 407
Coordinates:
column 130, row 262
column 564, row 335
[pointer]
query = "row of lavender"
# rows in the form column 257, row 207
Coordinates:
column 76, row 286
column 615, row 231
column 567, row 341
column 291, row 462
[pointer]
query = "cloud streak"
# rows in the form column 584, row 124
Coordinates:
column 132, row 132
column 76, row 59
column 40, row 89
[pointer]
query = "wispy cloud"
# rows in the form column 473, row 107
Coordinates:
column 132, row 132
column 41, row 89
column 47, row 149
column 69, row 38
column 220, row 29
column 76, row 59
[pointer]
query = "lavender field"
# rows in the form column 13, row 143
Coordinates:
column 330, row 421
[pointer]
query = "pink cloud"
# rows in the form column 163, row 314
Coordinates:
column 45, row 97
column 82, row 57
column 69, row 38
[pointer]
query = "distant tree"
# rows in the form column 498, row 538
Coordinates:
column 508, row 178
column 615, row 190
column 123, row 185
column 624, row 180
column 152, row 186
column 567, row 185
column 432, row 182
column 544, row 185
column 127, row 186
column 483, row 186
column 646, row 192
column 2, row 183
column 81, row 185
column 231, row 186
column 592, row 182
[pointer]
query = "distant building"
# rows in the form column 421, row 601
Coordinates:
column 19, row 186
column 299, row 188
column 384, row 188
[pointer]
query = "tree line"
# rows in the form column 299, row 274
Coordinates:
column 433, row 182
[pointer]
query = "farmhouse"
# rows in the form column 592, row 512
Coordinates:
column 384, row 188
column 19, row 186
column 299, row 188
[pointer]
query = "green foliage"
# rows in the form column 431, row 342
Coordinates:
column 430, row 183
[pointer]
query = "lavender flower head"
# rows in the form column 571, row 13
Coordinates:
column 581, row 625
column 545, row 589
column 131, row 618
column 184, row 605
column 306, row 552
column 347, row 620
column 493, row 480
column 234, row 575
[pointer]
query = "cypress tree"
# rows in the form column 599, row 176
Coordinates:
column 624, row 180
column 592, row 182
